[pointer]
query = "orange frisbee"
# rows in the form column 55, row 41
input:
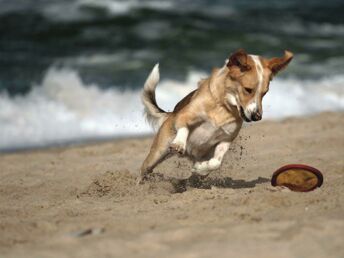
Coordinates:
column 297, row 177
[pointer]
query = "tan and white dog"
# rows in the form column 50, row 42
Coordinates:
column 205, row 122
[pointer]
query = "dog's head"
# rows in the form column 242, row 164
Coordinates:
column 248, row 79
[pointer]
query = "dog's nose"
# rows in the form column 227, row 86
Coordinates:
column 256, row 116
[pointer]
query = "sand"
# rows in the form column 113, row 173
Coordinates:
column 82, row 201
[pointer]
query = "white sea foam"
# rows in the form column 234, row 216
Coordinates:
column 292, row 97
column 121, row 7
column 80, row 9
column 77, row 10
column 63, row 108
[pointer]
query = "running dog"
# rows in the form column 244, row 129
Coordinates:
column 205, row 122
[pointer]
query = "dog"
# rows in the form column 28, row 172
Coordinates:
column 205, row 122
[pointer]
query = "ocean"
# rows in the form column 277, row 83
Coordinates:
column 73, row 70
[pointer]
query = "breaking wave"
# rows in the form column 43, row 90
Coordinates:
column 63, row 108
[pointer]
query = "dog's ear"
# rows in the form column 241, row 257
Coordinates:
column 238, row 60
column 277, row 64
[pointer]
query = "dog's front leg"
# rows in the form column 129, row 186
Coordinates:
column 216, row 161
column 179, row 143
column 182, row 123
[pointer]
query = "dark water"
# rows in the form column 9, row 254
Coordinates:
column 117, row 42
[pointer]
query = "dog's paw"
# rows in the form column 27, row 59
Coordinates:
column 214, row 164
column 201, row 169
column 209, row 165
column 139, row 180
column 177, row 147
column 200, row 166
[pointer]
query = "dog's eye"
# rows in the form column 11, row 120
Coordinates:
column 248, row 90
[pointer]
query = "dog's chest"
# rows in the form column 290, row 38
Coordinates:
column 209, row 134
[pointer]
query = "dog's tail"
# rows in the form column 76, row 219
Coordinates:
column 154, row 114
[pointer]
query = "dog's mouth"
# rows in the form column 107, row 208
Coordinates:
column 243, row 116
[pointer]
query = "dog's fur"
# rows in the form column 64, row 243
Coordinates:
column 205, row 122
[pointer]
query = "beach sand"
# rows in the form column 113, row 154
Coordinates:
column 82, row 201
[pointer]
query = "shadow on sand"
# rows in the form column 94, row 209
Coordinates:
column 202, row 182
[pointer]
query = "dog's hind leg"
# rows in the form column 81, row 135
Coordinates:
column 216, row 161
column 158, row 152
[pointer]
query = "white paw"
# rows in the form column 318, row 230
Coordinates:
column 214, row 164
column 178, row 147
column 200, row 166
column 211, row 164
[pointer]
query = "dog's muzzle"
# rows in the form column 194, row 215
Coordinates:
column 255, row 116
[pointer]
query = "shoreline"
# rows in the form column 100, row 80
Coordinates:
column 73, row 143
column 100, row 140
